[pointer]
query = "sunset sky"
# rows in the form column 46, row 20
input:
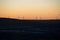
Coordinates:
column 46, row 9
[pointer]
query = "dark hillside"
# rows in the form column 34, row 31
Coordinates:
column 14, row 29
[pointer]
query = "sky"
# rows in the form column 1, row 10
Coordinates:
column 30, row 9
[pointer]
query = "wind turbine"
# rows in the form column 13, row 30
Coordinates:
column 36, row 17
column 18, row 17
column 58, row 16
column 8, row 17
column 40, row 18
column 23, row 17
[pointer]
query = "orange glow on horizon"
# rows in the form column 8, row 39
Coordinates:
column 28, row 9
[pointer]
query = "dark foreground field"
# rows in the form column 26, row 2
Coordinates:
column 14, row 29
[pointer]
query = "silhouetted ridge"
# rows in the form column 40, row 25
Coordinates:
column 36, row 23
column 16, row 29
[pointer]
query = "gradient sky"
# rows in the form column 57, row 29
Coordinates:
column 46, row 9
